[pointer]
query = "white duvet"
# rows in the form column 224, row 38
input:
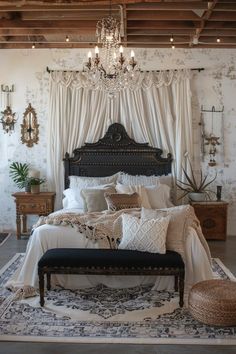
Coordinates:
column 198, row 266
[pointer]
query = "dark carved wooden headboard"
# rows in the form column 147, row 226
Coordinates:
column 115, row 152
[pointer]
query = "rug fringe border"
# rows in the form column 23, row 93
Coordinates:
column 2, row 270
column 2, row 243
column 225, row 269
column 103, row 340
column 180, row 341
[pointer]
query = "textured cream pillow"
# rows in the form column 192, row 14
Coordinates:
column 135, row 180
column 94, row 199
column 84, row 181
column 117, row 201
column 145, row 236
column 175, row 240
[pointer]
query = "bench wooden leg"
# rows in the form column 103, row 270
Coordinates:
column 41, row 287
column 48, row 281
column 181, row 289
column 176, row 283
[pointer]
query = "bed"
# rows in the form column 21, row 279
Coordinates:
column 115, row 154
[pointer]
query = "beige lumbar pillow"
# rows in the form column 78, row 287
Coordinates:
column 145, row 236
column 94, row 199
column 118, row 201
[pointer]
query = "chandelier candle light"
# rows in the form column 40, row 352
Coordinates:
column 110, row 71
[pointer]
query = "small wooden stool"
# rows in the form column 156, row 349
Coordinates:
column 213, row 302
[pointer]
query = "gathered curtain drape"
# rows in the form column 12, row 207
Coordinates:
column 157, row 111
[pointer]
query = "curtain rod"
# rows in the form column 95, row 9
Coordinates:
column 192, row 69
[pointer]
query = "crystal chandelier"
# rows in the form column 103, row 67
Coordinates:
column 109, row 70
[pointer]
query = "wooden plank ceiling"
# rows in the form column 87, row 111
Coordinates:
column 47, row 24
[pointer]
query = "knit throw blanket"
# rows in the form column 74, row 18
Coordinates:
column 105, row 227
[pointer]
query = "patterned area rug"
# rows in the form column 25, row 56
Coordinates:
column 3, row 237
column 104, row 315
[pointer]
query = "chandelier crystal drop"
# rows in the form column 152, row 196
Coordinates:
column 109, row 70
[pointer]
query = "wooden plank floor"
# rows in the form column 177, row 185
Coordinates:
column 223, row 250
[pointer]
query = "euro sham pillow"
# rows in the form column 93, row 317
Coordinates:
column 135, row 180
column 94, row 199
column 159, row 196
column 73, row 197
column 144, row 235
column 118, row 201
column 86, row 182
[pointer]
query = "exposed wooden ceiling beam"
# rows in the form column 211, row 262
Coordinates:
column 47, row 24
column 79, row 45
column 180, row 5
column 205, row 17
column 223, row 16
column 146, row 22
column 162, row 24
column 162, row 15
column 42, row 31
column 66, row 16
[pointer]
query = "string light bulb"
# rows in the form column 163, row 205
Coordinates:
column 218, row 40
column 33, row 46
column 67, row 39
column 171, row 39
column 173, row 46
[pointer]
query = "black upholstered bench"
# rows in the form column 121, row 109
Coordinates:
column 110, row 262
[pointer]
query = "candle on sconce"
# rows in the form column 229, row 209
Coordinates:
column 96, row 50
column 121, row 49
column 89, row 54
column 132, row 54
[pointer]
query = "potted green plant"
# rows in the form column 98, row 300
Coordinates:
column 35, row 184
column 19, row 174
column 196, row 189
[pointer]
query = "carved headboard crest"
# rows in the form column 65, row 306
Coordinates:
column 116, row 135
column 115, row 152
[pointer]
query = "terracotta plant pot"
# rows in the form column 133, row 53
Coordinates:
column 35, row 188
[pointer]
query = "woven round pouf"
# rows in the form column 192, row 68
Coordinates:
column 213, row 302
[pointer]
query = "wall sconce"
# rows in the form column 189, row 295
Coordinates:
column 30, row 127
column 8, row 119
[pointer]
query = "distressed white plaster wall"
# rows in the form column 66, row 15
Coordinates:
column 215, row 86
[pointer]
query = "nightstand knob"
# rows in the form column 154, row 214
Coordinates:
column 209, row 223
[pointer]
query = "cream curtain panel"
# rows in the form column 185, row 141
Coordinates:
column 157, row 110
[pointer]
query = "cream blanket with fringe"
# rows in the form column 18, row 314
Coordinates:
column 103, row 230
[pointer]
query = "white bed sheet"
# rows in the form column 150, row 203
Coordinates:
column 45, row 237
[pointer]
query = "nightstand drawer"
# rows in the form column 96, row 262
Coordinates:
column 31, row 203
column 33, row 208
column 213, row 219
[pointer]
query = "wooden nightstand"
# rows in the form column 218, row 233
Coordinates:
column 30, row 203
column 213, row 218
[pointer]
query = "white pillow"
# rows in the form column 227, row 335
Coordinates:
column 84, row 182
column 145, row 236
column 73, row 197
column 159, row 196
column 167, row 179
column 94, row 199
column 130, row 180
column 123, row 188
